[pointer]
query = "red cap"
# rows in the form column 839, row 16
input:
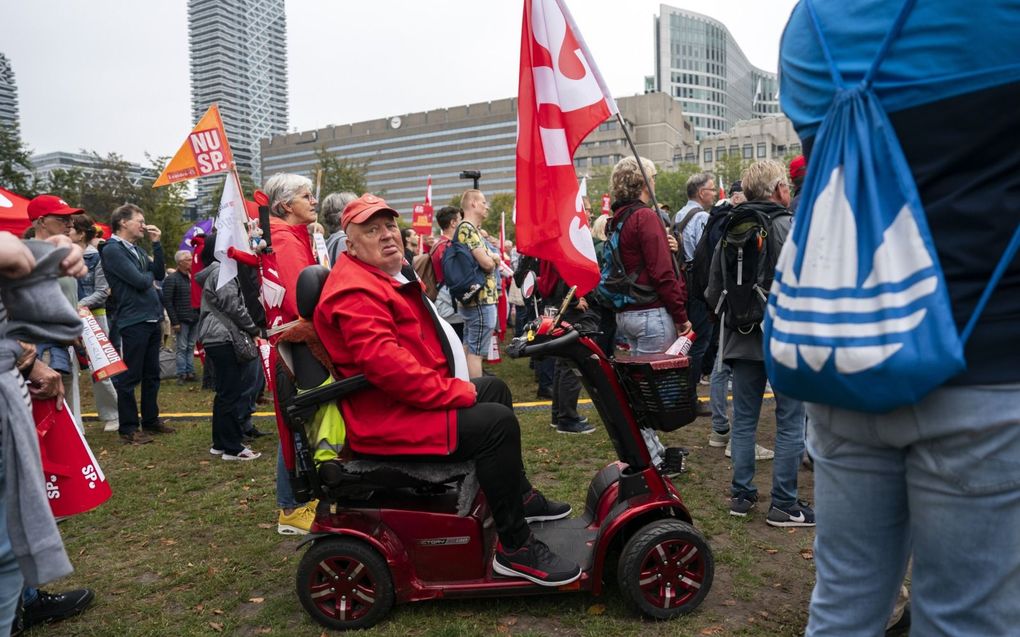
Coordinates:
column 44, row 205
column 362, row 208
column 798, row 167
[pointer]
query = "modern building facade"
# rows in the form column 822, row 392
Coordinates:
column 44, row 164
column 8, row 97
column 751, row 140
column 401, row 151
column 698, row 63
column 238, row 54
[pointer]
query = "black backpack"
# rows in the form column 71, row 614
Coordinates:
column 748, row 253
column 701, row 266
column 461, row 272
column 617, row 288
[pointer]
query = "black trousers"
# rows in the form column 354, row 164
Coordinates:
column 230, row 405
column 140, row 351
column 488, row 433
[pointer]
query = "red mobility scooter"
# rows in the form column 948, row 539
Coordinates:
column 388, row 532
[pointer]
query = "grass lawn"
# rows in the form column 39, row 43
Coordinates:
column 187, row 545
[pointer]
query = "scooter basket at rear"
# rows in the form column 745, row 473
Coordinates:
column 659, row 389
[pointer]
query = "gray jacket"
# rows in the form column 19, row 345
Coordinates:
column 733, row 344
column 219, row 305
column 34, row 538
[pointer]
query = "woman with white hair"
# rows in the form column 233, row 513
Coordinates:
column 292, row 210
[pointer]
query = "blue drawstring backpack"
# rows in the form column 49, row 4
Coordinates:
column 859, row 314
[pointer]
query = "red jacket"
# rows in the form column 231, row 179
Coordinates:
column 370, row 324
column 293, row 248
column 643, row 247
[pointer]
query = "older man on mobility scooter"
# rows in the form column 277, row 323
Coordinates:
column 374, row 319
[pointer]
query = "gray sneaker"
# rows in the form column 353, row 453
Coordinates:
column 574, row 427
column 741, row 504
column 797, row 514
column 716, row 439
column 760, row 452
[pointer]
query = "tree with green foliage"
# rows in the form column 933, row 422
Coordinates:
column 14, row 159
column 671, row 186
column 729, row 168
column 339, row 174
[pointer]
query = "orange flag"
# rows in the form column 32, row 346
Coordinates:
column 204, row 152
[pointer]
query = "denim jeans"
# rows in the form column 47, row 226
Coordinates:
column 185, row 344
column 10, row 574
column 939, row 480
column 719, row 395
column 748, row 388
column 479, row 323
column 284, row 492
column 647, row 331
column 697, row 314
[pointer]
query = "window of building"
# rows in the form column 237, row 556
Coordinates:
column 580, row 162
column 708, row 155
column 748, row 151
column 761, row 150
column 720, row 153
column 734, row 150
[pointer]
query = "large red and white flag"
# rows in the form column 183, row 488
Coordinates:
column 561, row 98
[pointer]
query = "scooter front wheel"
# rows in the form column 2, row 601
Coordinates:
column 666, row 569
column 344, row 584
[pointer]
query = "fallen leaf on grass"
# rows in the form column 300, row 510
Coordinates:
column 807, row 554
column 712, row 630
column 217, row 627
column 203, row 462
column 168, row 542
column 150, row 466
column 511, row 621
column 263, row 631
column 597, row 609
column 265, row 525
column 200, row 607
column 257, row 600
column 771, row 551
column 217, row 612
column 730, row 602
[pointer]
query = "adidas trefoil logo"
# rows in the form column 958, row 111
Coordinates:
column 827, row 285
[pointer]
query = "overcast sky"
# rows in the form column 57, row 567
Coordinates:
column 113, row 76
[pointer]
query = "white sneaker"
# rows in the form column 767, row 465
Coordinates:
column 216, row 452
column 245, row 454
column 111, row 425
column 760, row 452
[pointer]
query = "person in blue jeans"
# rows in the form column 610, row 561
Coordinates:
column 938, row 479
column 768, row 192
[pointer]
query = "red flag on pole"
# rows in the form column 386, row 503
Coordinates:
column 561, row 98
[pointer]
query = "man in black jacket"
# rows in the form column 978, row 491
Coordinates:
column 183, row 317
column 132, row 275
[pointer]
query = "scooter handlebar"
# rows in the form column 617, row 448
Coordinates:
column 520, row 347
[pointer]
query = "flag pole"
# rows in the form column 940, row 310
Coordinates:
column 630, row 142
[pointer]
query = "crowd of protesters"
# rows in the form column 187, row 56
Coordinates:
column 930, row 483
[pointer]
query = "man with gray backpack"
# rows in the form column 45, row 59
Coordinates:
column 739, row 281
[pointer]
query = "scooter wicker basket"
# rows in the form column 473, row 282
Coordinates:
column 659, row 389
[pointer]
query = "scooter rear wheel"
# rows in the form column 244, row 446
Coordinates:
column 666, row 569
column 344, row 584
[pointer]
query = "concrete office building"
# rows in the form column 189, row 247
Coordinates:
column 751, row 139
column 238, row 54
column 698, row 63
column 8, row 97
column 44, row 164
column 402, row 150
